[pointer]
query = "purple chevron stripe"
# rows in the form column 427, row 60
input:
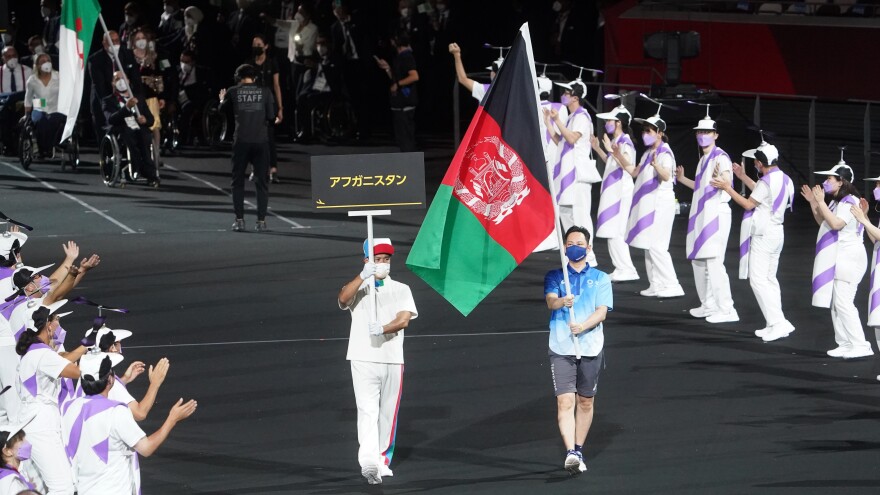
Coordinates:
column 643, row 223
column 607, row 214
column 826, row 240
column 823, row 279
column 704, row 236
column 613, row 178
column 744, row 247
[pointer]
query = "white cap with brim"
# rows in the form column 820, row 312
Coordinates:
column 104, row 330
column 841, row 170
column 706, row 124
column 7, row 239
column 12, row 429
column 574, row 87
column 53, row 311
column 766, row 154
column 654, row 121
column 34, row 271
column 870, row 179
column 615, row 114
column 90, row 362
column 545, row 85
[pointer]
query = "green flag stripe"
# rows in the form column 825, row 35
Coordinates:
column 468, row 264
column 87, row 12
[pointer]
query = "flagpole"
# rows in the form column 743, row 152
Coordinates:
column 115, row 56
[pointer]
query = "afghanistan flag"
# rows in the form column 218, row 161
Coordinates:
column 78, row 18
column 493, row 207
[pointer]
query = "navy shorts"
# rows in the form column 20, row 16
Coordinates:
column 571, row 375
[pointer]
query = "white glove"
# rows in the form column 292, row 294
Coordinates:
column 368, row 271
column 376, row 328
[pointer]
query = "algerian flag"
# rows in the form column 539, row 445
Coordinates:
column 78, row 18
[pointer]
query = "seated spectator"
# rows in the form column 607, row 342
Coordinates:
column 41, row 104
column 129, row 118
column 13, row 78
column 320, row 84
column 193, row 90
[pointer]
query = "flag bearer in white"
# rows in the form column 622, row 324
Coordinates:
column 761, row 242
column 709, row 227
column 617, row 191
column 840, row 261
column 102, row 434
column 375, row 350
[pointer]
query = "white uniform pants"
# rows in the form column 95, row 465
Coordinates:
column 620, row 257
column 764, row 252
column 658, row 262
column 580, row 214
column 10, row 403
column 710, row 276
column 848, row 330
column 50, row 462
column 377, row 389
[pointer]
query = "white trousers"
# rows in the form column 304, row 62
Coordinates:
column 848, row 330
column 377, row 390
column 50, row 462
column 658, row 261
column 10, row 403
column 580, row 214
column 710, row 276
column 620, row 257
column 764, row 252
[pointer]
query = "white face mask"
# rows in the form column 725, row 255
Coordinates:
column 382, row 270
column 46, row 67
column 185, row 67
column 12, row 63
column 39, row 50
column 121, row 86
column 114, row 49
column 299, row 18
column 404, row 12
column 557, row 6
column 140, row 44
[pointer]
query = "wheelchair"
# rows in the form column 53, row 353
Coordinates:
column 209, row 126
column 28, row 151
column 114, row 162
column 333, row 120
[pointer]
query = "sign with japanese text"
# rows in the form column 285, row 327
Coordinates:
column 368, row 182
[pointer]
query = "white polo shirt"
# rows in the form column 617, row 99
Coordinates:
column 391, row 298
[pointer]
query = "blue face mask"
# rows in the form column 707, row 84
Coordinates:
column 575, row 253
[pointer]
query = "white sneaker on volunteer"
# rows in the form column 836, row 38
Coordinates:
column 702, row 311
column 672, row 291
column 858, row 352
column 574, row 462
column 838, row 351
column 649, row 292
column 731, row 317
column 371, row 473
column 762, row 332
column 621, row 276
column 385, row 470
column 779, row 331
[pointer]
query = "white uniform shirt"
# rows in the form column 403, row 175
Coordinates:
column 37, row 90
column 21, row 75
column 851, row 234
column 40, row 371
column 93, row 475
column 764, row 214
column 11, row 482
column 722, row 164
column 392, row 298
column 119, row 393
column 478, row 90
column 304, row 41
column 667, row 163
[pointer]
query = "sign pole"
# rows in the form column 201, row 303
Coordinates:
column 374, row 308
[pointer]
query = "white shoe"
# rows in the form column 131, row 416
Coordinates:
column 860, row 352
column 723, row 317
column 649, row 292
column 573, row 463
column 385, row 470
column 838, row 351
column 623, row 276
column 676, row 291
column 762, row 332
column 878, row 378
column 778, row 332
column 702, row 312
column 371, row 473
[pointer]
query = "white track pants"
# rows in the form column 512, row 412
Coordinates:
column 377, row 390
column 658, row 261
column 620, row 257
column 848, row 330
column 580, row 214
column 764, row 252
column 710, row 276
column 50, row 462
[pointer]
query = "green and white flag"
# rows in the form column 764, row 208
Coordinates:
column 78, row 18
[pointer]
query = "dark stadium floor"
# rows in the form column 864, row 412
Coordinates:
column 250, row 324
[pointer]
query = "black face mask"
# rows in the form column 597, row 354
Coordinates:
column 257, row 51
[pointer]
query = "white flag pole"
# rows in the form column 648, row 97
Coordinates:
column 374, row 308
column 115, row 56
column 556, row 225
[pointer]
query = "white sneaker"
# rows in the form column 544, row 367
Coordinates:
column 623, row 276
column 385, row 470
column 762, row 332
column 702, row 312
column 649, row 292
column 778, row 332
column 573, row 463
column 675, row 291
column 838, row 351
column 723, row 317
column 371, row 473
column 859, row 352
